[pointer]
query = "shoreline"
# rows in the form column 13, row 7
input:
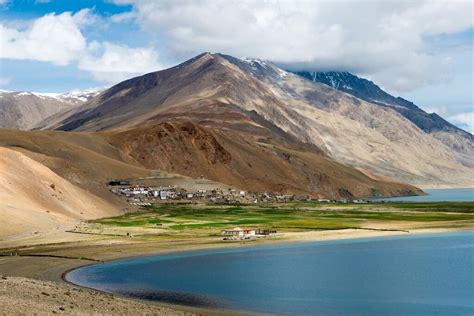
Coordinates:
column 44, row 268
column 213, row 311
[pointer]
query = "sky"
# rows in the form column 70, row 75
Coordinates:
column 419, row 50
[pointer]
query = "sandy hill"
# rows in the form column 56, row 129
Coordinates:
column 34, row 198
column 77, row 165
column 51, row 180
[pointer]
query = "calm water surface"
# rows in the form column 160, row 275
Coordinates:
column 438, row 195
column 410, row 275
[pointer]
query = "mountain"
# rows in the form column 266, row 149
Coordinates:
column 264, row 106
column 196, row 119
column 452, row 136
column 23, row 110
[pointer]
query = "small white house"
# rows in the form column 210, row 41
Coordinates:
column 234, row 232
column 237, row 232
column 163, row 195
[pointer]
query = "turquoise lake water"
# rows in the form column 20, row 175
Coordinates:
column 438, row 195
column 408, row 275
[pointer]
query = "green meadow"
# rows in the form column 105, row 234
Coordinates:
column 209, row 219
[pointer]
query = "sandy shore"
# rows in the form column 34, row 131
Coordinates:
column 32, row 282
column 30, row 296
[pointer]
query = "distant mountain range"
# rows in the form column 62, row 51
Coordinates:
column 23, row 110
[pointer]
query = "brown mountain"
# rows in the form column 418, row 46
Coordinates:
column 248, row 160
column 196, row 120
column 255, row 98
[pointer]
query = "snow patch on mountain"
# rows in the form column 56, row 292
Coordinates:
column 74, row 97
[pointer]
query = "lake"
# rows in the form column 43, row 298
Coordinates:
column 417, row 275
column 437, row 195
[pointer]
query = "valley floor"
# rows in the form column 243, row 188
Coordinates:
column 32, row 280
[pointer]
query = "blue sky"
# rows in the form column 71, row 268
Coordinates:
column 420, row 50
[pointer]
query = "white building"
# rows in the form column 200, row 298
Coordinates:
column 234, row 232
column 237, row 232
column 163, row 195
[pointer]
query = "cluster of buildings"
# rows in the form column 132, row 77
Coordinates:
column 143, row 195
column 239, row 233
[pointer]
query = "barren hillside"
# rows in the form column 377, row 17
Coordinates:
column 34, row 198
column 224, row 92
column 247, row 161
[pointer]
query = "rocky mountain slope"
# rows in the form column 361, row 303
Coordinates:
column 23, row 110
column 257, row 100
column 248, row 161
column 452, row 136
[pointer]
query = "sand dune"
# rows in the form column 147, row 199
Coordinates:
column 33, row 197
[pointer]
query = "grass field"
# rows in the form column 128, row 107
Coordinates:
column 200, row 219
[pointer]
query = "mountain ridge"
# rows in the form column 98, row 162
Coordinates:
column 269, row 105
column 369, row 91
column 24, row 110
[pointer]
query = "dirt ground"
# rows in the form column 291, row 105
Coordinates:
column 30, row 296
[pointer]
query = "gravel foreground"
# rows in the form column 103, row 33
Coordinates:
column 29, row 296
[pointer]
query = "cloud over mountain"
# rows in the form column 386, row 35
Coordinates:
column 386, row 39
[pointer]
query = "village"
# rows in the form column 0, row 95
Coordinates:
column 147, row 195
column 153, row 195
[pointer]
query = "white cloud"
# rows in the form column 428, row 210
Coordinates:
column 51, row 38
column 59, row 39
column 112, row 63
column 384, row 40
column 464, row 121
